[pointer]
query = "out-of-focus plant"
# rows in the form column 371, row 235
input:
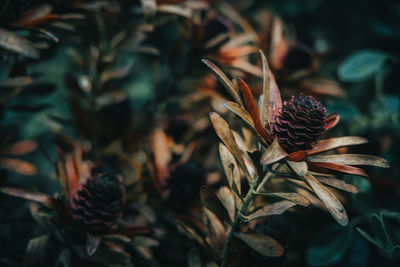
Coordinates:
column 89, row 209
column 283, row 144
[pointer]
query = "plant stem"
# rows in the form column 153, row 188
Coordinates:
column 238, row 219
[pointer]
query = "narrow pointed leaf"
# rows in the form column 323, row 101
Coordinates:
column 224, row 132
column 266, row 90
column 20, row 148
column 292, row 197
column 339, row 168
column 275, row 100
column 241, row 112
column 331, row 120
column 224, row 80
column 226, row 197
column 29, row 195
column 276, row 208
column 273, row 154
column 245, row 116
column 35, row 249
column 251, row 107
column 17, row 44
column 300, row 168
column 351, row 159
column 339, row 184
column 263, row 244
column 212, row 202
column 230, row 167
column 18, row 166
column 333, row 205
column 297, row 155
column 16, row 81
column 332, row 143
column 92, row 243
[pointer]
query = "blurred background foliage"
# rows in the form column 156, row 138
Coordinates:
column 124, row 80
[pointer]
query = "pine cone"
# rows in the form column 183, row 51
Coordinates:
column 96, row 203
column 299, row 123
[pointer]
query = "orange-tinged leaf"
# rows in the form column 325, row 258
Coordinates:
column 351, row 159
column 225, row 134
column 275, row 208
column 333, row 205
column 43, row 198
column 162, row 156
column 273, row 154
column 323, row 87
column 40, row 21
column 297, row 155
column 16, row 81
column 224, row 80
column 251, row 107
column 245, row 116
column 333, row 143
column 212, row 203
column 331, row 120
column 18, row 166
column 263, row 244
column 20, row 148
column 339, row 168
column 279, row 45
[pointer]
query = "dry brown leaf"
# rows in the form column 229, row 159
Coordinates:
column 17, row 44
column 225, row 81
column 224, row 132
column 264, row 109
column 333, row 205
column 226, row 197
column 273, row 154
column 292, row 197
column 332, row 143
column 18, row 166
column 16, row 81
column 29, row 195
column 300, row 168
column 339, row 184
column 263, row 244
column 212, row 203
column 232, row 173
column 276, row 208
column 351, row 159
column 20, row 148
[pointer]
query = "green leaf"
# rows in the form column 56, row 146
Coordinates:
column 329, row 245
column 361, row 65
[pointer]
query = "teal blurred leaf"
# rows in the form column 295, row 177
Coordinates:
column 362, row 65
column 329, row 245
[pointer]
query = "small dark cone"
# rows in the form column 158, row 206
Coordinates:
column 299, row 123
column 96, row 204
